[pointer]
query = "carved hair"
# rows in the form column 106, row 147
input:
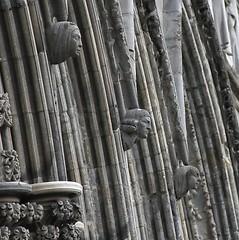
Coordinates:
column 132, row 118
column 60, row 41
column 181, row 178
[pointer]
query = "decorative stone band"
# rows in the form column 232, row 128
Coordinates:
column 14, row 191
column 61, row 188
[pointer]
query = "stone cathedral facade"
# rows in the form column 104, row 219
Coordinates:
column 119, row 119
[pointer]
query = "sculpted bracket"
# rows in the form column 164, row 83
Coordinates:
column 135, row 125
column 185, row 178
column 64, row 41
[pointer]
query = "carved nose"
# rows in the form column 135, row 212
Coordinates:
column 80, row 43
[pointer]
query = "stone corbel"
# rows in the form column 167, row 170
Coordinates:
column 61, row 214
column 37, row 211
column 15, row 217
column 40, row 211
column 135, row 125
column 64, row 41
column 186, row 178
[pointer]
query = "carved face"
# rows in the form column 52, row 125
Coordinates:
column 75, row 44
column 186, row 178
column 193, row 181
column 65, row 41
column 143, row 128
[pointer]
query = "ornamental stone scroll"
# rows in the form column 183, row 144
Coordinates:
column 135, row 125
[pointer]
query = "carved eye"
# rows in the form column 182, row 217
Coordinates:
column 77, row 37
column 146, row 120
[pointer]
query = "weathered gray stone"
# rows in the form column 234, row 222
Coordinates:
column 135, row 125
column 185, row 178
column 64, row 41
column 68, row 120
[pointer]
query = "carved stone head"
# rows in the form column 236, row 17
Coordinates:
column 185, row 179
column 135, row 125
column 64, row 41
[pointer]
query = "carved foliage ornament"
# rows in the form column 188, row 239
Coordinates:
column 66, row 211
column 135, row 125
column 11, row 166
column 64, row 41
column 32, row 212
column 48, row 232
column 10, row 212
column 4, row 233
column 14, row 212
column 5, row 111
column 20, row 233
column 186, row 178
column 63, row 215
column 70, row 232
